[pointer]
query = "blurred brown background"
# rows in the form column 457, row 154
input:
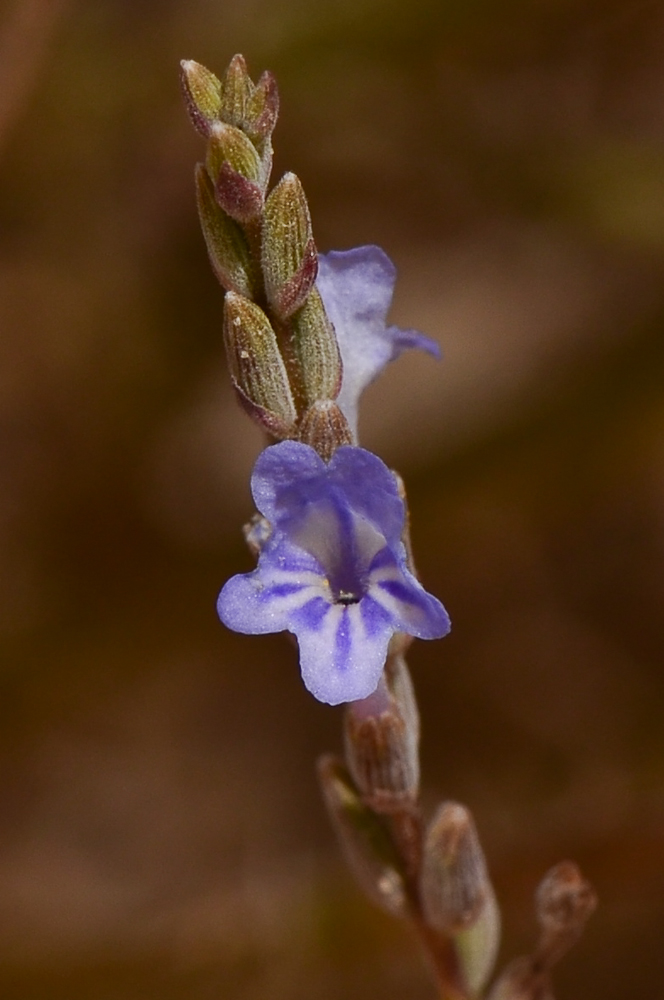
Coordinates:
column 161, row 834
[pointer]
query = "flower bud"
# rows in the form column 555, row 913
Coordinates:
column 564, row 902
column 381, row 752
column 257, row 368
column 226, row 244
column 236, row 92
column 230, row 145
column 364, row 839
column 290, row 261
column 457, row 896
column 236, row 171
column 324, row 428
column 316, row 351
column 240, row 198
column 202, row 95
column 262, row 109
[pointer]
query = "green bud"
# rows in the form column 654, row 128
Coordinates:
column 236, row 91
column 290, row 261
column 230, row 145
column 316, row 351
column 457, row 896
column 262, row 109
column 324, row 428
column 257, row 368
column 365, row 841
column 202, row 95
column 226, row 243
column 236, row 171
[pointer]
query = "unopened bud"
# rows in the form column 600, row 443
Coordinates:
column 380, row 752
column 325, row 429
column 236, row 171
column 226, row 244
column 455, row 881
column 290, row 261
column 202, row 95
column 239, row 197
column 257, row 368
column 230, row 145
column 263, row 108
column 316, row 350
column 236, row 92
column 565, row 900
column 365, row 841
column 457, row 896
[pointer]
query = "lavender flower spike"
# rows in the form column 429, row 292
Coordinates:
column 333, row 569
column 356, row 287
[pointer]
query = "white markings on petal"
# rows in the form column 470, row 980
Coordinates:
column 273, row 576
column 284, row 605
column 340, row 662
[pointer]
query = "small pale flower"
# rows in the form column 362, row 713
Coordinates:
column 356, row 287
column 333, row 569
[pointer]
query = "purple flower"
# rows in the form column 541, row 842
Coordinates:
column 356, row 287
column 333, row 570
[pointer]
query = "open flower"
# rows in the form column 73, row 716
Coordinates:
column 333, row 570
column 356, row 287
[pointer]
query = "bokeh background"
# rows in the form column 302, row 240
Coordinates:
column 161, row 833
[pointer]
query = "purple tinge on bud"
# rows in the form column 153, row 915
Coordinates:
column 333, row 571
column 356, row 287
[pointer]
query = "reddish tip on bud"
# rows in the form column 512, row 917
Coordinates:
column 240, row 198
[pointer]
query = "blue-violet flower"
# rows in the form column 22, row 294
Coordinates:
column 333, row 569
column 356, row 287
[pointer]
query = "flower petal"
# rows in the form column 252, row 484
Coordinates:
column 351, row 470
column 286, row 477
column 291, row 482
column 404, row 340
column 410, row 608
column 342, row 649
column 285, row 580
column 356, row 287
